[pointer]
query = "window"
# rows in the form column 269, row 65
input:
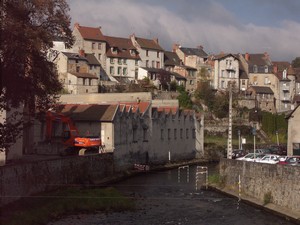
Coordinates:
column 136, row 73
column 162, row 134
column 187, row 133
column 194, row 133
column 119, row 61
column 243, row 82
column 125, row 71
column 147, row 52
column 181, row 133
column 91, row 67
column 125, row 61
column 255, row 70
column 191, row 82
column 70, row 82
column 136, row 62
column 175, row 134
column 119, row 70
column 158, row 65
column 223, row 73
column 147, row 63
column 93, row 45
column 266, row 80
column 169, row 134
column 112, row 70
column 157, row 54
column 99, row 56
column 266, row 69
column 77, row 69
column 86, row 81
column 145, row 136
column 153, row 64
column 111, row 61
column 99, row 45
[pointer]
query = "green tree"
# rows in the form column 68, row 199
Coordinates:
column 184, row 99
column 205, row 94
column 28, row 29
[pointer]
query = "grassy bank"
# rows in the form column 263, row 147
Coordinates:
column 41, row 209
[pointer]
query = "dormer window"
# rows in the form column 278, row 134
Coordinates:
column 147, row 52
column 255, row 69
column 266, row 69
column 114, row 50
column 132, row 52
column 284, row 74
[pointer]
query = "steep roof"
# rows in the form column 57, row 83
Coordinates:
column 279, row 67
column 84, row 75
column 123, row 45
column 92, row 60
column 90, row 33
column 171, row 59
column 75, row 56
column 80, row 112
column 243, row 75
column 134, row 106
column 262, row 90
column 194, row 51
column 258, row 59
column 224, row 55
column 148, row 44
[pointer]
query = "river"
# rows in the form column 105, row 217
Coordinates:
column 164, row 197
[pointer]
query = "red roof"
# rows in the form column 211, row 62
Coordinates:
column 90, row 33
column 167, row 109
column 142, row 106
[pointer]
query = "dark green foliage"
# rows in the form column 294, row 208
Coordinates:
column 296, row 62
column 184, row 99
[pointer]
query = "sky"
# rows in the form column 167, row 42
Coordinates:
column 229, row 26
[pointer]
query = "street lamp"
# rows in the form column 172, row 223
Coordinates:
column 254, row 133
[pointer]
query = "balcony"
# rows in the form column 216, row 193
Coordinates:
column 230, row 68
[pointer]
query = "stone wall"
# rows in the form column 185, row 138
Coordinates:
column 258, row 179
column 25, row 179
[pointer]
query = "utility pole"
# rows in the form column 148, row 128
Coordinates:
column 229, row 142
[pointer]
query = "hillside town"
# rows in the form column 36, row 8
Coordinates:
column 117, row 107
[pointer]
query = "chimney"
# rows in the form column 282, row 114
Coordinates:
column 156, row 40
column 275, row 68
column 81, row 52
column 175, row 47
column 247, row 56
column 200, row 47
column 76, row 25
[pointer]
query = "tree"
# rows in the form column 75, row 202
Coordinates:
column 296, row 62
column 28, row 79
column 184, row 99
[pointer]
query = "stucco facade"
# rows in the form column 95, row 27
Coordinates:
column 293, row 142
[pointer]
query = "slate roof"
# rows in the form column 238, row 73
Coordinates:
column 262, row 90
column 243, row 75
column 91, row 33
column 224, row 55
column 194, row 51
column 84, row 75
column 92, row 60
column 178, row 76
column 148, row 44
column 80, row 112
column 75, row 56
column 281, row 66
column 171, row 59
column 259, row 60
column 123, row 45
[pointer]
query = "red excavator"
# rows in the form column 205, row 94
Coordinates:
column 72, row 142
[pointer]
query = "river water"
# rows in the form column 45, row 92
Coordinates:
column 170, row 197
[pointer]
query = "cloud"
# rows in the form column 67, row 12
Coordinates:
column 205, row 23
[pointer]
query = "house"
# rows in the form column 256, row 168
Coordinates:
column 263, row 98
column 150, row 52
column 122, row 59
column 78, row 72
column 160, row 78
column 296, row 98
column 286, row 87
column 226, row 71
column 293, row 140
column 171, row 60
column 135, row 132
column 195, row 62
column 91, row 40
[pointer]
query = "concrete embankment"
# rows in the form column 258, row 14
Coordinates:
column 272, row 187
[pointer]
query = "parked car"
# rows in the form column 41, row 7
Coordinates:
column 278, row 149
column 270, row 159
column 263, row 151
column 256, row 158
column 291, row 160
column 246, row 157
column 237, row 153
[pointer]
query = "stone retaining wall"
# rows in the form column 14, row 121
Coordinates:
column 25, row 179
column 260, row 179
